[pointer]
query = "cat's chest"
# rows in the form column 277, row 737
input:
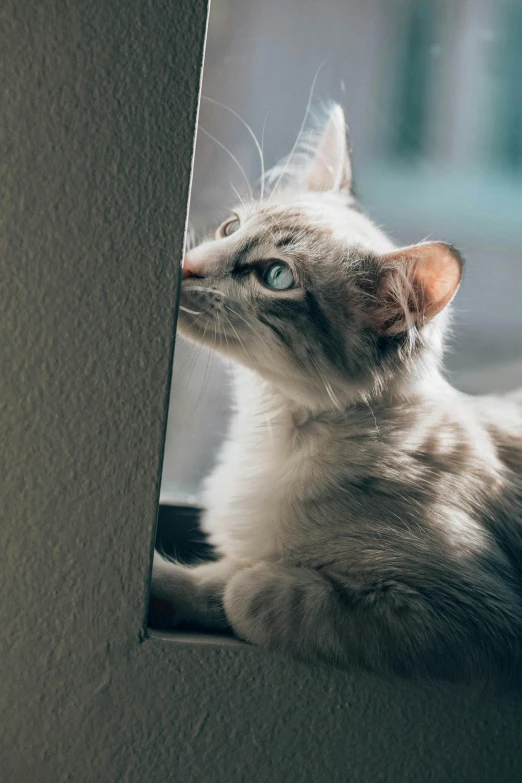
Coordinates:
column 257, row 490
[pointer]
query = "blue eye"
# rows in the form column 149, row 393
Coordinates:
column 279, row 276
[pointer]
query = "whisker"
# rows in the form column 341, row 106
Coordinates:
column 206, row 290
column 178, row 370
column 210, row 353
column 238, row 164
column 251, row 132
column 210, row 360
column 191, row 373
column 221, row 335
column 301, row 129
column 235, row 332
column 193, row 346
column 242, row 200
column 239, row 316
column 226, row 340
column 190, row 240
column 274, row 220
column 263, row 154
column 191, row 312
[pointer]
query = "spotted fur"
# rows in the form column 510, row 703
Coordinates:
column 365, row 512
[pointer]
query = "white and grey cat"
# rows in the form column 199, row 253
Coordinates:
column 365, row 512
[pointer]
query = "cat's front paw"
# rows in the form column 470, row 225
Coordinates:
column 251, row 603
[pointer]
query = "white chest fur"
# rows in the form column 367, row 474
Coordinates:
column 263, row 469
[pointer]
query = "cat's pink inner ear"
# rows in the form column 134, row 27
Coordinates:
column 330, row 168
column 418, row 283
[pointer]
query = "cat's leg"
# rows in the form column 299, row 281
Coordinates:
column 191, row 594
column 384, row 626
column 288, row 608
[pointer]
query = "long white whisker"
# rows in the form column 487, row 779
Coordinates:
column 237, row 194
column 192, row 347
column 239, row 316
column 224, row 334
column 194, row 344
column 226, row 340
column 196, row 358
column 201, row 344
column 190, row 240
column 301, row 129
column 202, row 388
column 249, row 129
column 238, row 164
column 192, row 312
column 263, row 154
column 208, row 368
column 210, row 353
column 235, row 332
column 206, row 290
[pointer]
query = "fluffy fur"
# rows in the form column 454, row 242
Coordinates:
column 365, row 512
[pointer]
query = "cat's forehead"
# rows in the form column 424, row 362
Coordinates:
column 310, row 217
column 293, row 213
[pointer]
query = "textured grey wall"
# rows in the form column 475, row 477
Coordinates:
column 98, row 116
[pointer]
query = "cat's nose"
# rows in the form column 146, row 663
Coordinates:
column 190, row 269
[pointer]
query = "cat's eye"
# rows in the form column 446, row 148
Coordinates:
column 229, row 227
column 279, row 276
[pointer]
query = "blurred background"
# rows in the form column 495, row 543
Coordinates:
column 432, row 91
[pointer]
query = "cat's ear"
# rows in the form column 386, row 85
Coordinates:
column 416, row 283
column 331, row 168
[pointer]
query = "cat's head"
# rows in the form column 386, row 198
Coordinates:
column 303, row 288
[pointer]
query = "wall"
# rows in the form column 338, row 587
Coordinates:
column 99, row 110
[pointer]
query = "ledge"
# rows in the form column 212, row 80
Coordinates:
column 179, row 535
column 196, row 637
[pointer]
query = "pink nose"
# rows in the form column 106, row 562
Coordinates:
column 190, row 269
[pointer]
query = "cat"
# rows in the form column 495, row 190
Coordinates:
column 365, row 513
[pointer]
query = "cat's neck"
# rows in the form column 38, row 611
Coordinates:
column 269, row 397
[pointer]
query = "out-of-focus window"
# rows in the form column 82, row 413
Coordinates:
column 414, row 79
column 432, row 90
column 509, row 99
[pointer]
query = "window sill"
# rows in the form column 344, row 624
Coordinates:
column 196, row 637
column 179, row 535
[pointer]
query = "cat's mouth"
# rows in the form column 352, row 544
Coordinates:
column 198, row 308
column 198, row 299
column 204, row 316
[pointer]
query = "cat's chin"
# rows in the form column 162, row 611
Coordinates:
column 202, row 333
column 206, row 336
